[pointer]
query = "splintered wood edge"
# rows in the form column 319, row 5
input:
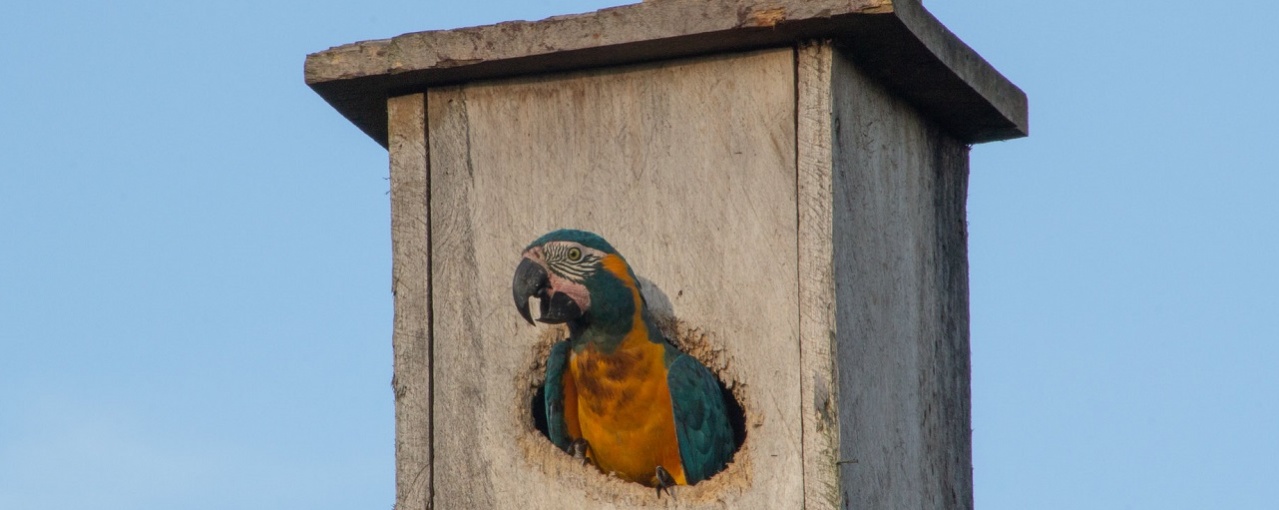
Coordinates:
column 604, row 28
column 725, row 487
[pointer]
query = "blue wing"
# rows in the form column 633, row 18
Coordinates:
column 701, row 422
column 556, row 426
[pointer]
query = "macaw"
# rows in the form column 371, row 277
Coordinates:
column 617, row 393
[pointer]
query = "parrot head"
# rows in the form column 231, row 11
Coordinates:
column 578, row 278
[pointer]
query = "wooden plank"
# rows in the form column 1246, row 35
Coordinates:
column 820, row 395
column 898, row 40
column 410, row 282
column 460, row 353
column 688, row 168
column 948, row 425
column 901, row 301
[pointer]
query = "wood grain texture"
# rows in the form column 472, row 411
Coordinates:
column 805, row 225
column 896, row 41
column 820, row 397
column 901, row 317
column 410, row 282
column 688, row 168
column 462, row 427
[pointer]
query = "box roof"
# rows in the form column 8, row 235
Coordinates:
column 896, row 41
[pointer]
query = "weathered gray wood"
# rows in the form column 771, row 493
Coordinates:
column 883, row 292
column 896, row 41
column 612, row 27
column 879, row 407
column 898, row 188
column 909, row 72
column 820, row 397
column 799, row 210
column 463, row 428
column 688, row 168
column 410, row 282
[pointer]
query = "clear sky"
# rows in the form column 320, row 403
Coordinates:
column 195, row 301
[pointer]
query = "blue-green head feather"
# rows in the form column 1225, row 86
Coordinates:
column 582, row 237
column 565, row 270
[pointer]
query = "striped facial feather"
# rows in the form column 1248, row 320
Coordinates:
column 570, row 260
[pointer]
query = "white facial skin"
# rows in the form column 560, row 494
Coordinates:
column 567, row 264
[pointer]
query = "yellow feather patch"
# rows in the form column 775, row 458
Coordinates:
column 624, row 405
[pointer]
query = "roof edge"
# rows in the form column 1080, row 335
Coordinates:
column 896, row 41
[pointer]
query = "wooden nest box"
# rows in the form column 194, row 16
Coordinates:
column 788, row 179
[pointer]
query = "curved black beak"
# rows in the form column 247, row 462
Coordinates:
column 531, row 281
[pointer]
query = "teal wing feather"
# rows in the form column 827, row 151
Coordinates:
column 556, row 428
column 701, row 422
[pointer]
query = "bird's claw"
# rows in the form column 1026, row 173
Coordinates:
column 578, row 449
column 665, row 482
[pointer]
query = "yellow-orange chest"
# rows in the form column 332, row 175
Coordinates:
column 624, row 409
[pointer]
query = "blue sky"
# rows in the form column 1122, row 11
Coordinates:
column 195, row 299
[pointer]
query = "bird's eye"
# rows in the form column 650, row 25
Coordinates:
column 574, row 254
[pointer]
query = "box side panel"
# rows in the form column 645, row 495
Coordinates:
column 688, row 169
column 901, row 301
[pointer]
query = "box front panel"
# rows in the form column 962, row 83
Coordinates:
column 688, row 169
